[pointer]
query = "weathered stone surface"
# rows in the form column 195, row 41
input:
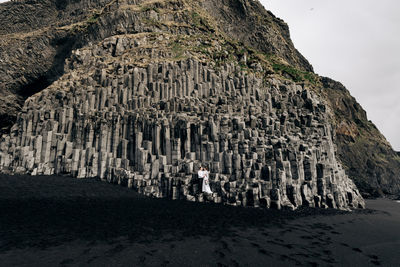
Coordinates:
column 148, row 126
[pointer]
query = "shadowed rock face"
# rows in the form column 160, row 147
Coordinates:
column 35, row 40
column 142, row 92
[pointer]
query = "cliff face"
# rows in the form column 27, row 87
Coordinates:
column 365, row 153
column 143, row 92
column 37, row 36
column 35, row 40
column 249, row 23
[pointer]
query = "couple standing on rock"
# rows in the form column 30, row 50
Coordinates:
column 204, row 182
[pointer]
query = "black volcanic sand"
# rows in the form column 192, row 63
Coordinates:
column 52, row 221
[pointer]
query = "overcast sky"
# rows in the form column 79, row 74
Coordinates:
column 356, row 42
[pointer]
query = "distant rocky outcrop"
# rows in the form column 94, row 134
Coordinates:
column 367, row 156
column 143, row 92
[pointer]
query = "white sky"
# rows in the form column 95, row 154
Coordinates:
column 356, row 42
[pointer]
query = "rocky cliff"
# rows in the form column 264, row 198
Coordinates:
column 367, row 156
column 143, row 92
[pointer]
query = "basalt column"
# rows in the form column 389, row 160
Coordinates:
column 266, row 142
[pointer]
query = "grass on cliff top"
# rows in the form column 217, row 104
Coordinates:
column 222, row 50
column 293, row 73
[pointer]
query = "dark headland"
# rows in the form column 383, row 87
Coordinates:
column 61, row 221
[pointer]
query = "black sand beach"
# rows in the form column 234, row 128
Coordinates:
column 52, row 221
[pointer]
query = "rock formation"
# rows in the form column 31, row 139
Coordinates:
column 149, row 126
column 146, row 107
column 37, row 37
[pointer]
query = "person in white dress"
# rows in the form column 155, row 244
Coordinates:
column 206, row 182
